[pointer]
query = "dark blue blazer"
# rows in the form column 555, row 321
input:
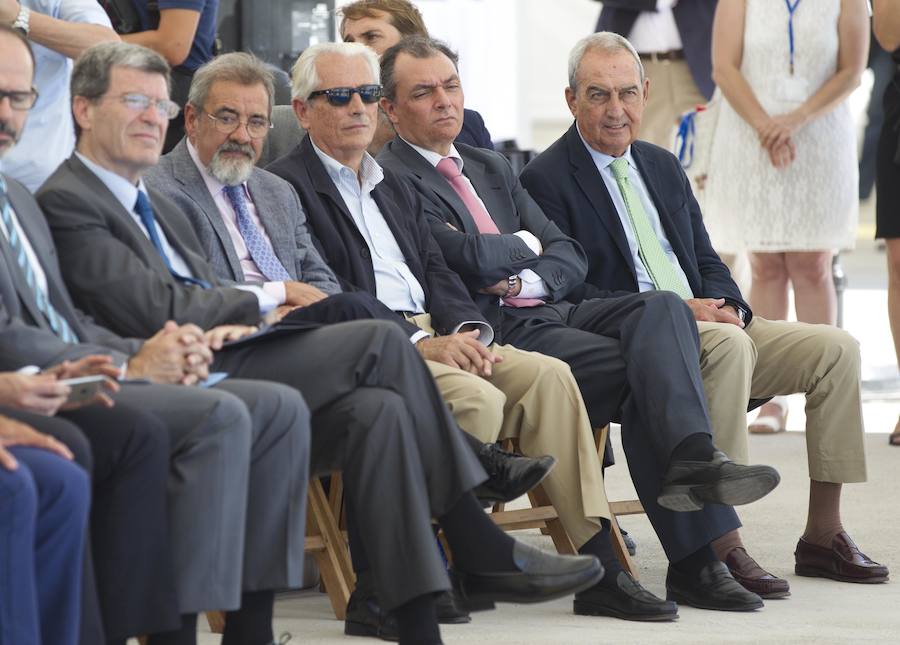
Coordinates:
column 344, row 249
column 566, row 184
column 694, row 19
column 474, row 133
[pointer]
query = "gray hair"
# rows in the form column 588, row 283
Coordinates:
column 603, row 41
column 305, row 77
column 93, row 69
column 417, row 47
column 236, row 67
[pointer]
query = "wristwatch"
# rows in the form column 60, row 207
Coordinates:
column 510, row 285
column 21, row 21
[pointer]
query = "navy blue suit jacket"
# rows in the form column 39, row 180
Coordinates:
column 474, row 133
column 694, row 19
column 566, row 184
column 344, row 249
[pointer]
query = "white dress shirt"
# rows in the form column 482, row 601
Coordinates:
column 533, row 286
column 229, row 217
column 656, row 31
column 126, row 194
column 603, row 161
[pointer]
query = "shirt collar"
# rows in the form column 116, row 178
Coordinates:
column 369, row 171
column 434, row 158
column 123, row 190
column 601, row 159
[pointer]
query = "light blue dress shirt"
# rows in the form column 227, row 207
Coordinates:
column 602, row 161
column 126, row 194
column 48, row 137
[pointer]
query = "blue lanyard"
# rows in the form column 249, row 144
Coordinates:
column 791, row 9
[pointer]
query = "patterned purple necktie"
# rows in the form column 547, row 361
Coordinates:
column 257, row 245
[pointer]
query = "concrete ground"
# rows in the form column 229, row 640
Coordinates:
column 818, row 611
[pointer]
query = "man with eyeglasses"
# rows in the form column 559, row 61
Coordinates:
column 59, row 30
column 130, row 258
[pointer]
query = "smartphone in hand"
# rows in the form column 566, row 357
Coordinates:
column 83, row 388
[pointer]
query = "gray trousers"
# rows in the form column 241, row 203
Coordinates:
column 240, row 436
column 378, row 417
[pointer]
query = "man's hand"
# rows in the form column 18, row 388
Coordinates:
column 173, row 355
column 16, row 433
column 460, row 350
column 713, row 310
column 40, row 393
column 9, row 10
column 217, row 336
column 93, row 365
column 500, row 288
column 300, row 294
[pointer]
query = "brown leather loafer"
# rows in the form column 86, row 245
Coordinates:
column 843, row 561
column 753, row 577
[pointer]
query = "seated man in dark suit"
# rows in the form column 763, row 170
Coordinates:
column 381, row 24
column 520, row 268
column 377, row 240
column 631, row 207
column 132, row 259
column 144, row 519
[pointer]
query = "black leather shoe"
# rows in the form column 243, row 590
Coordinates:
column 688, row 485
column 509, row 475
column 541, row 576
column 448, row 612
column 630, row 601
column 714, row 588
column 365, row 617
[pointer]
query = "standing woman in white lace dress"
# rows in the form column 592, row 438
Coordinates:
column 783, row 172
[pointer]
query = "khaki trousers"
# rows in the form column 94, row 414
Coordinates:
column 535, row 399
column 770, row 358
column 672, row 92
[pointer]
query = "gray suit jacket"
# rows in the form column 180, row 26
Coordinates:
column 484, row 260
column 113, row 270
column 25, row 335
column 178, row 178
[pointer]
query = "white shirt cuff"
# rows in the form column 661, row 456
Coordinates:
column 276, row 290
column 533, row 286
column 531, row 240
column 419, row 335
column 267, row 302
column 486, row 335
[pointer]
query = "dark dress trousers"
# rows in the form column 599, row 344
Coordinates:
column 377, row 414
column 44, row 507
column 635, row 357
column 694, row 19
column 208, row 433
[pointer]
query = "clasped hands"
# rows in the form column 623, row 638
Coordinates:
column 461, row 350
column 714, row 310
column 776, row 137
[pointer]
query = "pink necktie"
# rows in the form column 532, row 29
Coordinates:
column 483, row 220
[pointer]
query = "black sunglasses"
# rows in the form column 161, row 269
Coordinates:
column 342, row 95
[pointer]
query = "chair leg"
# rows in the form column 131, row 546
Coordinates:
column 538, row 497
column 621, row 550
column 334, row 559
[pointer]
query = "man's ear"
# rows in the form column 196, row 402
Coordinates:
column 646, row 90
column 388, row 107
column 301, row 111
column 570, row 100
column 191, row 115
column 82, row 112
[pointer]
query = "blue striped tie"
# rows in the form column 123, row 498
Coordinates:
column 57, row 323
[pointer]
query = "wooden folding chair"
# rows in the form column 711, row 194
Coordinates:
column 328, row 545
column 543, row 515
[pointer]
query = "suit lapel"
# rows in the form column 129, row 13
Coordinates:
column 431, row 177
column 488, row 186
column 188, row 176
column 591, row 183
column 25, row 293
column 388, row 207
column 320, row 180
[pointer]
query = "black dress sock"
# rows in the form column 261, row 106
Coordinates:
column 601, row 546
column 252, row 623
column 692, row 564
column 694, row 447
column 417, row 622
column 185, row 635
column 476, row 542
